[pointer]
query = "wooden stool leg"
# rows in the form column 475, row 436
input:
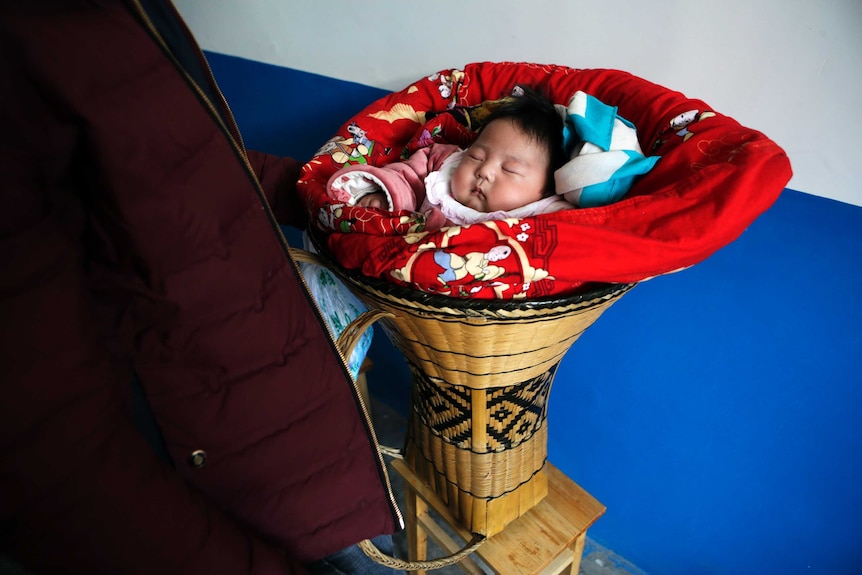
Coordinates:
column 577, row 550
column 417, row 539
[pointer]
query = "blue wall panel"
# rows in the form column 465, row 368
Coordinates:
column 715, row 411
column 283, row 111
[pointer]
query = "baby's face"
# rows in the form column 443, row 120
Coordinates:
column 503, row 169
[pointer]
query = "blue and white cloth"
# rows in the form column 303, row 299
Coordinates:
column 337, row 304
column 605, row 157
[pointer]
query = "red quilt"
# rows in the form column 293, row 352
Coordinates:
column 713, row 179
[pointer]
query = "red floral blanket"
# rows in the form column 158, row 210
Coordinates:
column 713, row 179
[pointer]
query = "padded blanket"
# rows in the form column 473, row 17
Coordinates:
column 714, row 178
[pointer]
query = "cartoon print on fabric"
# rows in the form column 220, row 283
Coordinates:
column 426, row 138
column 355, row 219
column 684, row 120
column 723, row 149
column 328, row 215
column 715, row 150
column 448, row 84
column 471, row 117
column 399, row 111
column 354, row 150
column 359, row 137
column 478, row 265
column 457, row 125
column 679, row 125
column 676, row 212
column 456, row 268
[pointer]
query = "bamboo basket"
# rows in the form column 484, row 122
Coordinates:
column 481, row 376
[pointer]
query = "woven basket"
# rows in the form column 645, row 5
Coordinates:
column 481, row 374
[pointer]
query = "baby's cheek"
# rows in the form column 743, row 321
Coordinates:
column 457, row 184
column 378, row 201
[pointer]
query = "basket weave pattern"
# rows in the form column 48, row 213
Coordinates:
column 515, row 412
column 482, row 373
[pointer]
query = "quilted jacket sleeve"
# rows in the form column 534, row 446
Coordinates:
column 278, row 177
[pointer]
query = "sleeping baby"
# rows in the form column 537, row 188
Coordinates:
column 530, row 157
column 507, row 172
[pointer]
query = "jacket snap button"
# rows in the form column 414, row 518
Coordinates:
column 198, row 458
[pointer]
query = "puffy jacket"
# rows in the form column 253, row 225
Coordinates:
column 137, row 235
column 402, row 182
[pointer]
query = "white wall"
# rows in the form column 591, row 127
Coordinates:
column 789, row 68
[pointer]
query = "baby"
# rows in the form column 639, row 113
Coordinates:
column 506, row 172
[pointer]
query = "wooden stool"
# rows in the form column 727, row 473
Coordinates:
column 547, row 540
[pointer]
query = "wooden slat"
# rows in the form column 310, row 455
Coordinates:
column 541, row 541
column 417, row 513
column 448, row 544
column 562, row 565
column 577, row 505
column 577, row 554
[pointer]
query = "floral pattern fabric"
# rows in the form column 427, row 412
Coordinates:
column 714, row 178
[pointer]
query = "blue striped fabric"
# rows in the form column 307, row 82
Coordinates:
column 605, row 157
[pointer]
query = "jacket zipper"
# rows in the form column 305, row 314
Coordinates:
column 235, row 139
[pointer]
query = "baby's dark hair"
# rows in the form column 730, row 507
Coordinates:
column 534, row 113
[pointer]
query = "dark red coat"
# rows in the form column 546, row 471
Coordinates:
column 134, row 236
